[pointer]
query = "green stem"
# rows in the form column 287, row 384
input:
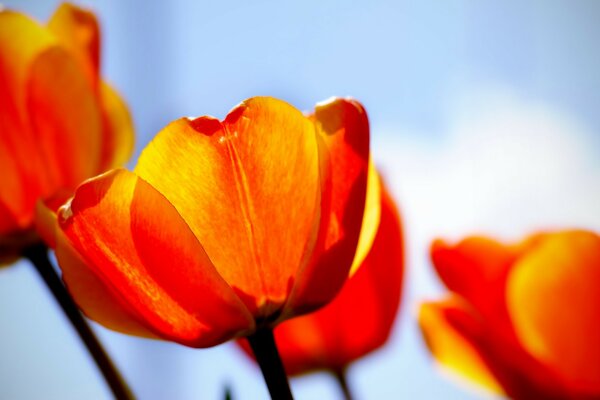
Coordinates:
column 340, row 376
column 38, row 255
column 263, row 345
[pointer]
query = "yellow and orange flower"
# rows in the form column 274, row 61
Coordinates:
column 523, row 320
column 224, row 227
column 360, row 318
column 59, row 122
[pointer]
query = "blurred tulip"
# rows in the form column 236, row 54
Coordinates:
column 523, row 320
column 359, row 319
column 60, row 123
column 225, row 227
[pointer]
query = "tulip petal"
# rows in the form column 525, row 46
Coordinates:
column 344, row 134
column 95, row 298
column 476, row 349
column 8, row 254
column 249, row 190
column 134, row 240
column 18, row 51
column 7, row 219
column 77, row 29
column 64, row 115
column 476, row 268
column 554, row 302
column 371, row 217
column 118, row 137
column 451, row 348
column 359, row 319
column 20, row 161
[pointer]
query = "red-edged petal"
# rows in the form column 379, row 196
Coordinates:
column 553, row 296
column 344, row 135
column 360, row 318
column 248, row 188
column 136, row 243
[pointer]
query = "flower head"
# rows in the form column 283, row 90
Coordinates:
column 224, row 226
column 522, row 319
column 60, row 123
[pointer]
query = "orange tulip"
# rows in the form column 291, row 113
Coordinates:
column 60, row 124
column 360, row 318
column 224, row 227
column 523, row 320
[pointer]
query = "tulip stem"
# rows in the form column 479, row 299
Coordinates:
column 340, row 376
column 265, row 350
column 38, row 255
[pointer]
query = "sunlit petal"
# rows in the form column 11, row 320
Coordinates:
column 149, row 258
column 249, row 190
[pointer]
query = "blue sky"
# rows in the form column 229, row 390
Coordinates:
column 484, row 118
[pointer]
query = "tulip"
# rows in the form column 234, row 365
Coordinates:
column 360, row 318
column 225, row 228
column 60, row 122
column 522, row 320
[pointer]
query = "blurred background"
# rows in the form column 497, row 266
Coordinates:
column 485, row 119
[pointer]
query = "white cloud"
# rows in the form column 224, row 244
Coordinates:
column 506, row 166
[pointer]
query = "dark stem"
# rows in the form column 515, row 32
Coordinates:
column 263, row 345
column 340, row 376
column 38, row 255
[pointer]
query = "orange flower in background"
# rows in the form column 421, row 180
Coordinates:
column 60, row 123
column 523, row 320
column 224, row 227
column 360, row 318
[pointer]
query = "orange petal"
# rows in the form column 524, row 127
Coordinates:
column 344, row 134
column 21, row 41
column 477, row 350
column 77, row 29
column 65, row 117
column 476, row 268
column 248, row 188
column 118, row 137
column 134, row 240
column 97, row 300
column 450, row 347
column 554, row 301
column 360, row 318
